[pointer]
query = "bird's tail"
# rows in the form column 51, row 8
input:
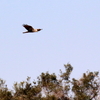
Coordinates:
column 25, row 32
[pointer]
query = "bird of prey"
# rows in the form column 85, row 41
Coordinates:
column 30, row 28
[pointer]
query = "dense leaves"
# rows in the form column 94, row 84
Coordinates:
column 50, row 87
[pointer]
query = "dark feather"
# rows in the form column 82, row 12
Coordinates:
column 28, row 27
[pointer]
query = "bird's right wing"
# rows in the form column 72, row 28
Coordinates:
column 28, row 27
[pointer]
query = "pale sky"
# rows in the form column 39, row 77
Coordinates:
column 71, row 34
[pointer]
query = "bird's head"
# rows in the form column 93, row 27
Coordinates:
column 39, row 29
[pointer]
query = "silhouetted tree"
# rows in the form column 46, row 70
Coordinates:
column 5, row 94
column 50, row 87
column 86, row 88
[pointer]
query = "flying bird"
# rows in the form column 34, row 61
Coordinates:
column 30, row 28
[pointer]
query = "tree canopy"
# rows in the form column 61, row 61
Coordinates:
column 52, row 87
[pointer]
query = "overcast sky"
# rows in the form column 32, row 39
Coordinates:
column 71, row 34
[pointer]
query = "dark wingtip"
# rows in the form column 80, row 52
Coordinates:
column 24, row 24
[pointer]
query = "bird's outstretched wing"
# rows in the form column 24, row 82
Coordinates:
column 28, row 27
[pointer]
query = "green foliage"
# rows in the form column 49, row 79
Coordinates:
column 26, row 90
column 54, row 88
column 87, row 87
column 65, row 76
column 4, row 93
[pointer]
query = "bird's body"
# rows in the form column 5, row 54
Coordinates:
column 30, row 28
